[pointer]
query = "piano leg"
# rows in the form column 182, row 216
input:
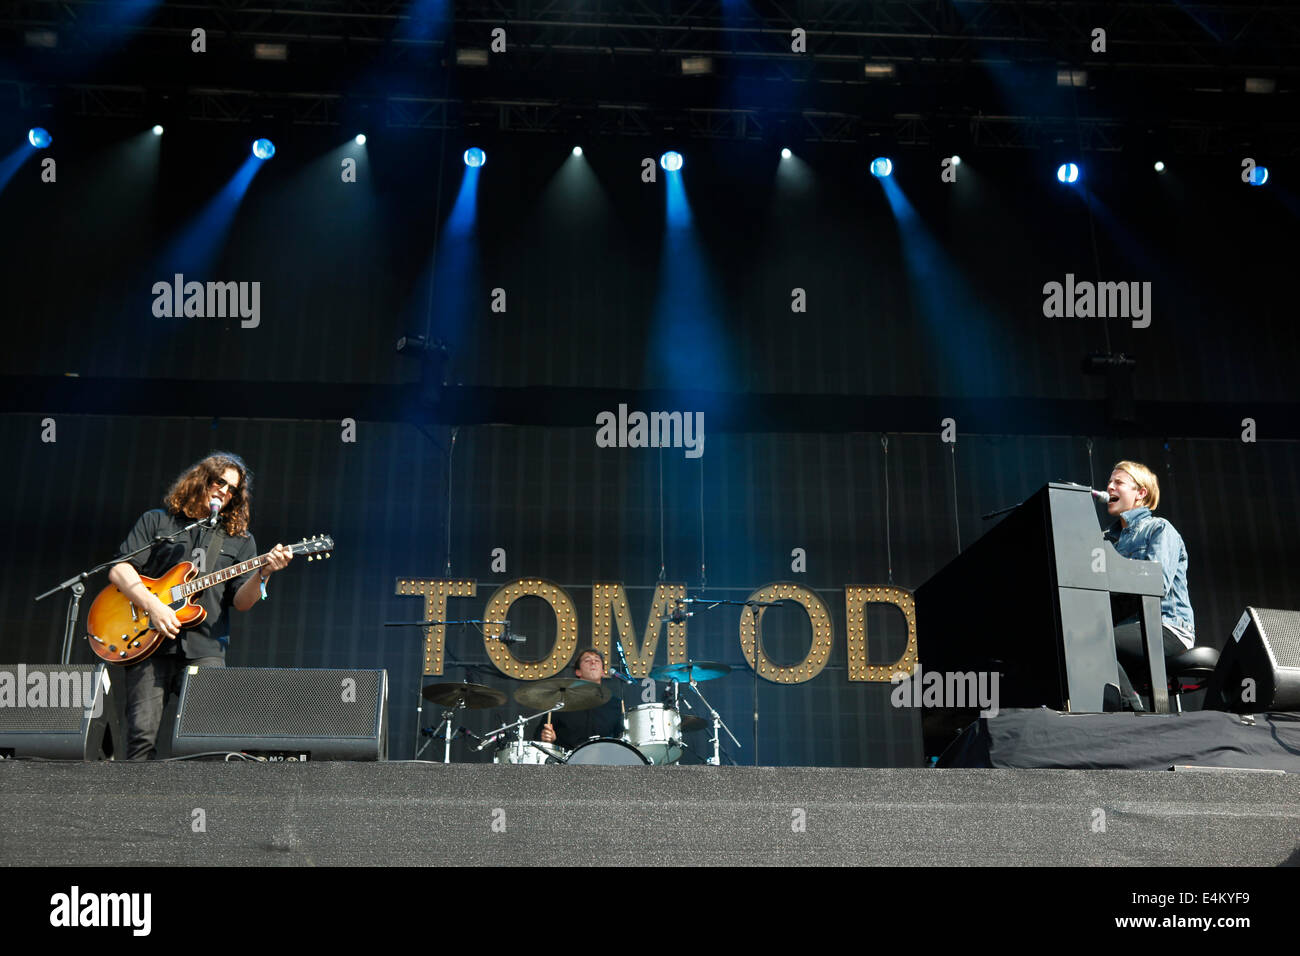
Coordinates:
column 1153, row 647
column 1088, row 645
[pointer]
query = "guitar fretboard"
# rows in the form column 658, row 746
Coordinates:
column 206, row 581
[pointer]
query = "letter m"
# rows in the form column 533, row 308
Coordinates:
column 609, row 606
column 223, row 299
column 65, row 689
column 665, row 429
column 1112, row 299
column 117, row 904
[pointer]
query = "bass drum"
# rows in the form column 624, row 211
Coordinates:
column 607, row 752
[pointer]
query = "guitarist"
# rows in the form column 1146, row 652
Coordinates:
column 222, row 480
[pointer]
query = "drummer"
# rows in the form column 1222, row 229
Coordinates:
column 571, row 729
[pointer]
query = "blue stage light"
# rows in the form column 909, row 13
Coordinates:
column 1160, row 166
column 577, row 151
column 786, row 154
column 263, row 148
column 361, row 139
column 671, row 161
column 881, row 167
column 157, row 130
column 1067, row 173
column 39, row 137
column 1259, row 176
column 475, row 156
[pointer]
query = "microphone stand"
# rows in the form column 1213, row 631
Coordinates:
column 77, row 588
column 757, row 636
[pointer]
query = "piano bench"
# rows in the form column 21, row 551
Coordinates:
column 1187, row 672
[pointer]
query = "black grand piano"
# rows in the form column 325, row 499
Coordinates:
column 1034, row 600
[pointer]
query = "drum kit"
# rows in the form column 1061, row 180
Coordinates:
column 652, row 733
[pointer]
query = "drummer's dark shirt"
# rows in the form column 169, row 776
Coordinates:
column 604, row 721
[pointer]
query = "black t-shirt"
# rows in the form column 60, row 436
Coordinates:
column 209, row 637
column 573, row 728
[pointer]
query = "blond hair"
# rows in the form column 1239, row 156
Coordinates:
column 1143, row 477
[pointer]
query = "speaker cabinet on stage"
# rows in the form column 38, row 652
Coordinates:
column 283, row 713
column 60, row 712
column 1259, row 669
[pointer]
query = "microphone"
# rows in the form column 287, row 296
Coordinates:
column 622, row 659
column 489, row 741
column 677, row 615
column 1101, row 496
column 508, row 636
column 214, row 506
column 615, row 672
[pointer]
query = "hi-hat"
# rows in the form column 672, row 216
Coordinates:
column 575, row 694
column 471, row 696
column 697, row 670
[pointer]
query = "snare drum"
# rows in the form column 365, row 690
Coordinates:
column 607, row 752
column 524, row 751
column 656, row 731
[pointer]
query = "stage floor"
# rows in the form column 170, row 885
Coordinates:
column 426, row 814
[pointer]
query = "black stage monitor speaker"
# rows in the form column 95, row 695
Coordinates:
column 60, row 712
column 283, row 713
column 1259, row 669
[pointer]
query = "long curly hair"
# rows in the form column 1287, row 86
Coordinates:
column 188, row 494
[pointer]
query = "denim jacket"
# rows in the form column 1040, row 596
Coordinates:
column 1154, row 539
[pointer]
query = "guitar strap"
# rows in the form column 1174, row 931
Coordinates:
column 214, row 547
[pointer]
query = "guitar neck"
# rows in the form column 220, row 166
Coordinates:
column 206, row 581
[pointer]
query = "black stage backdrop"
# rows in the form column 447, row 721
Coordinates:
column 582, row 258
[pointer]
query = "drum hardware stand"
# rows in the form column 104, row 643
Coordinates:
column 419, row 706
column 447, row 721
column 518, row 726
column 716, row 759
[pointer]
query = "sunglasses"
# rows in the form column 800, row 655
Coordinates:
column 223, row 485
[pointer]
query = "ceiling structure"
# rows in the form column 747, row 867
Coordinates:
column 1017, row 74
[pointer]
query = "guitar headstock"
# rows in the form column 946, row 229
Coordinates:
column 317, row 547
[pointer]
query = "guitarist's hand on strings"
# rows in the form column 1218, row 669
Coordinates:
column 163, row 618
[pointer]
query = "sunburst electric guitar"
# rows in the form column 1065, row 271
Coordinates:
column 120, row 632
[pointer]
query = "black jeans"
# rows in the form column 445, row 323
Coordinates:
column 1129, row 648
column 149, row 685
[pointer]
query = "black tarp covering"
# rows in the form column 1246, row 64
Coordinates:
column 1048, row 739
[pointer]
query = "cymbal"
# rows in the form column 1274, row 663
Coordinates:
column 471, row 696
column 691, row 723
column 576, row 694
column 700, row 670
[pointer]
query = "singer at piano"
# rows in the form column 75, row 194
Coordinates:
column 1134, row 494
column 222, row 484
column 604, row 721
